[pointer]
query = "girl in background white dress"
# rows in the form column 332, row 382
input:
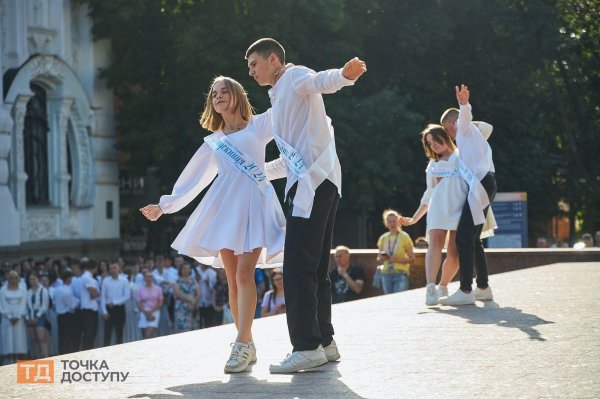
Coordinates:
column 132, row 332
column 13, row 308
column 239, row 215
column 443, row 202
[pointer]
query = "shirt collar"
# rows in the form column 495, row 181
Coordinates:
column 273, row 90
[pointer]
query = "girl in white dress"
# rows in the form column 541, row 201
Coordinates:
column 240, row 215
column 13, row 309
column 132, row 332
column 443, row 202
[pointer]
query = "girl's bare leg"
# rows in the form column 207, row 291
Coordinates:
column 246, row 289
column 450, row 267
column 230, row 262
column 433, row 257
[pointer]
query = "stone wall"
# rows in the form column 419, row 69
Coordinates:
column 499, row 261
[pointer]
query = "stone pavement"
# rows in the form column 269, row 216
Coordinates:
column 540, row 338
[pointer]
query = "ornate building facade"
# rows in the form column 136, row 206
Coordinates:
column 59, row 183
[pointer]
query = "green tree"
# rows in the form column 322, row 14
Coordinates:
column 532, row 68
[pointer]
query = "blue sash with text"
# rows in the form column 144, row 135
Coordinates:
column 223, row 148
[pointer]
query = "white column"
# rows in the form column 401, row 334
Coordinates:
column 18, row 175
column 9, row 233
column 65, row 110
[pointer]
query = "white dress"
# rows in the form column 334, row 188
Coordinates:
column 131, row 332
column 13, row 304
column 446, row 197
column 234, row 213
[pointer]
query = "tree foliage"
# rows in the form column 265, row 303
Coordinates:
column 533, row 68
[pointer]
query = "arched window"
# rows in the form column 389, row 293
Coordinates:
column 35, row 141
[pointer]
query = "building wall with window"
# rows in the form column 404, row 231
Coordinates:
column 58, row 169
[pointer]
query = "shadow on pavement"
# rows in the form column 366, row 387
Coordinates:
column 319, row 383
column 492, row 313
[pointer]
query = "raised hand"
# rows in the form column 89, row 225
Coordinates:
column 354, row 68
column 462, row 94
column 406, row 221
column 151, row 212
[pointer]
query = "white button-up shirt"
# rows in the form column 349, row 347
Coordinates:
column 64, row 300
column 299, row 118
column 37, row 302
column 76, row 287
column 88, row 281
column 207, row 280
column 115, row 291
column 472, row 145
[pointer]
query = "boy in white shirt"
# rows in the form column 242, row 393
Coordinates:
column 476, row 155
column 304, row 136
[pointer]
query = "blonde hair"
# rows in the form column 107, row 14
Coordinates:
column 389, row 212
column 449, row 114
column 439, row 135
column 211, row 120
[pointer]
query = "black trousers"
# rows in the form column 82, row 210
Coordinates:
column 77, row 329
column 307, row 285
column 67, row 333
column 116, row 321
column 470, row 248
column 206, row 317
column 89, row 324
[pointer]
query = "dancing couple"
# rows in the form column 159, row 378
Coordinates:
column 239, row 224
column 460, row 188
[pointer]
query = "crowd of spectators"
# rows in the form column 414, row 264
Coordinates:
column 57, row 306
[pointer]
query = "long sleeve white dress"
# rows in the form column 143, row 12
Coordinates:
column 446, row 197
column 234, row 213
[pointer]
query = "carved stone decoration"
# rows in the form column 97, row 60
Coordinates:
column 42, row 227
column 63, row 173
column 48, row 67
column 83, row 184
column 40, row 40
column 65, row 112
column 72, row 227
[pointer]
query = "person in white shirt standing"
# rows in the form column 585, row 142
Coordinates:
column 115, row 292
column 66, row 304
column 90, row 291
column 206, row 277
column 304, row 136
column 477, row 168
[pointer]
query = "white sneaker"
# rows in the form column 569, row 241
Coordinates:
column 301, row 360
column 252, row 351
column 240, row 358
column 483, row 295
column 331, row 352
column 442, row 290
column 431, row 297
column 459, row 298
